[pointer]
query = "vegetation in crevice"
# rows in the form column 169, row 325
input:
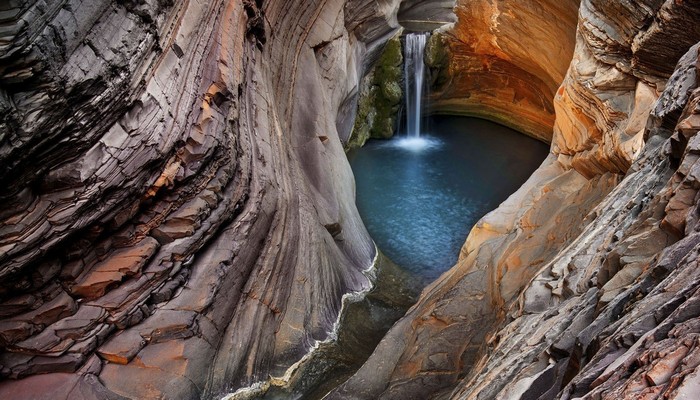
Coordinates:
column 380, row 97
column 438, row 62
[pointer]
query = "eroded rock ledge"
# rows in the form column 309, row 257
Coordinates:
column 178, row 216
column 177, row 205
column 582, row 284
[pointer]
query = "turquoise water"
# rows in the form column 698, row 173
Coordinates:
column 419, row 198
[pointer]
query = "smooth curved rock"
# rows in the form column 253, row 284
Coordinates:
column 503, row 61
column 571, row 248
column 426, row 15
column 178, row 216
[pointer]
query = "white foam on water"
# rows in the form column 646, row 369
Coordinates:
column 416, row 144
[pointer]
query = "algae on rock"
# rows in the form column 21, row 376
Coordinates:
column 380, row 98
column 437, row 60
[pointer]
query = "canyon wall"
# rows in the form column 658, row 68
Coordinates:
column 178, row 216
column 503, row 61
column 426, row 15
column 583, row 283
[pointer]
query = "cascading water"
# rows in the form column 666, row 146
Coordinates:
column 446, row 177
column 414, row 74
column 414, row 70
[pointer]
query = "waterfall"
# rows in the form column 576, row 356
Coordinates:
column 414, row 69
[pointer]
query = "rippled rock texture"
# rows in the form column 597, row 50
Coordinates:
column 503, row 61
column 177, row 215
column 583, row 284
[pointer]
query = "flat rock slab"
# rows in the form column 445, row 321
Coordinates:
column 123, row 262
column 122, row 347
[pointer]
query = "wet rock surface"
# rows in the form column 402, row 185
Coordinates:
column 381, row 92
column 178, row 215
column 170, row 169
column 581, row 284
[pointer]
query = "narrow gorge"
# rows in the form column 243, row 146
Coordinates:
column 180, row 216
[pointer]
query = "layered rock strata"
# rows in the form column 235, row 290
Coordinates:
column 178, row 217
column 614, row 314
column 425, row 16
column 582, row 283
column 178, row 221
column 503, row 61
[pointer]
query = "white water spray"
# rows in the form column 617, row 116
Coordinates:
column 414, row 72
column 414, row 77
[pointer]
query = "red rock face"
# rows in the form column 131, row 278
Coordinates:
column 177, row 218
column 612, row 83
column 170, row 170
column 505, row 61
column 581, row 284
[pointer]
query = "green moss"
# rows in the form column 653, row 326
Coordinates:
column 388, row 68
column 392, row 92
column 437, row 59
column 388, row 92
column 380, row 95
column 364, row 118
